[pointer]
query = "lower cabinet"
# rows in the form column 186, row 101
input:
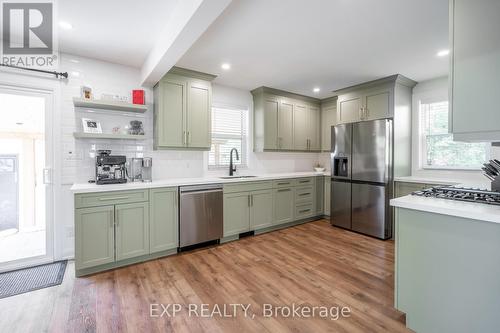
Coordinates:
column 261, row 209
column 284, row 205
column 132, row 230
column 236, row 213
column 320, row 191
column 94, row 236
column 245, row 211
column 117, row 229
column 327, row 189
column 163, row 219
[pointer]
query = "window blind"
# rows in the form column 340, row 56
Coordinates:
column 229, row 130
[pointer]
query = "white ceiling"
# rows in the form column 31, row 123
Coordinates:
column 296, row 45
column 119, row 31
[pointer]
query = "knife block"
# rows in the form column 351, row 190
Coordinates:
column 495, row 185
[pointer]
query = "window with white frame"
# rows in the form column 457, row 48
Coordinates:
column 229, row 130
column 438, row 150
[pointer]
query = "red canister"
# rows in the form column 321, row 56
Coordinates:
column 138, row 97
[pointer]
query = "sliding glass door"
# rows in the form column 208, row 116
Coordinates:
column 25, row 178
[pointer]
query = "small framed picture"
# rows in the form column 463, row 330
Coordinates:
column 86, row 92
column 91, row 126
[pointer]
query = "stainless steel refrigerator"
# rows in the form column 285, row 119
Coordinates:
column 362, row 175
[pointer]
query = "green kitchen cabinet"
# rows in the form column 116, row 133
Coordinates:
column 327, row 193
column 285, row 125
column 474, row 81
column 132, row 230
column 284, row 205
column 261, row 209
column 284, row 121
column 319, row 199
column 182, row 110
column 301, row 127
column 375, row 100
column 270, row 119
column 314, row 127
column 349, row 109
column 236, row 213
column 94, row 236
column 163, row 219
column 328, row 119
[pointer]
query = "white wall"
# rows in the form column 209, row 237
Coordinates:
column 431, row 89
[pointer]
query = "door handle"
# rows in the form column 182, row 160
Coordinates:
column 188, row 137
column 248, row 200
column 284, row 190
column 184, row 137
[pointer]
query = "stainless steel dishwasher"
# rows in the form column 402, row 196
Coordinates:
column 201, row 214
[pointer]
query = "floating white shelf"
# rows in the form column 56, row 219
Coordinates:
column 109, row 105
column 80, row 135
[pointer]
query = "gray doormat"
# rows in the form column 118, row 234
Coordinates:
column 28, row 279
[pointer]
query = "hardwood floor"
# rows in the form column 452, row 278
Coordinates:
column 312, row 264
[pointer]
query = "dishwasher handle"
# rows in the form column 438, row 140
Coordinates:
column 201, row 188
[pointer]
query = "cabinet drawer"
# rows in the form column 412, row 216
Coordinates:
column 247, row 187
column 304, row 181
column 304, row 211
column 283, row 183
column 110, row 198
column 304, row 194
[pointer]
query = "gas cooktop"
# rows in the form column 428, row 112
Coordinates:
column 461, row 194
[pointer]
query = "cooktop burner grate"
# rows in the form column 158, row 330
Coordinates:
column 461, row 194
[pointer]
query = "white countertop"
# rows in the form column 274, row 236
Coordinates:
column 91, row 187
column 469, row 210
column 428, row 180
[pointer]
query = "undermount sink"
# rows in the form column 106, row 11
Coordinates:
column 236, row 177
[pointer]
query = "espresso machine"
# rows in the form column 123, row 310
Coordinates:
column 110, row 169
column 140, row 169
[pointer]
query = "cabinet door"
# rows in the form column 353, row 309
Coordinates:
column 327, row 195
column 284, row 205
column 94, row 232
column 314, row 128
column 199, row 115
column 163, row 220
column 132, row 230
column 475, row 69
column 169, row 113
column 261, row 209
column 300, row 127
column 349, row 110
column 285, row 125
column 271, row 107
column 320, row 190
column 328, row 119
column 236, row 213
column 376, row 105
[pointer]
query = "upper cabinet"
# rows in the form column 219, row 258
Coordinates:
column 373, row 100
column 182, row 110
column 328, row 119
column 475, row 69
column 286, row 122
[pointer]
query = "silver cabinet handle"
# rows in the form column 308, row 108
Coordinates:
column 284, row 190
column 287, row 183
column 304, row 211
column 248, row 201
column 303, row 194
column 188, row 137
column 251, row 200
column 112, row 220
column 184, row 137
column 113, row 198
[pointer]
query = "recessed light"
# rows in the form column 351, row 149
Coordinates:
column 74, row 61
column 65, row 25
column 225, row 66
column 443, row 53
column 75, row 74
column 316, row 90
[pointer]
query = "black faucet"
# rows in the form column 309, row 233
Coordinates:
column 232, row 168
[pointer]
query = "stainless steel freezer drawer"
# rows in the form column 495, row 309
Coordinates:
column 370, row 211
column 340, row 204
